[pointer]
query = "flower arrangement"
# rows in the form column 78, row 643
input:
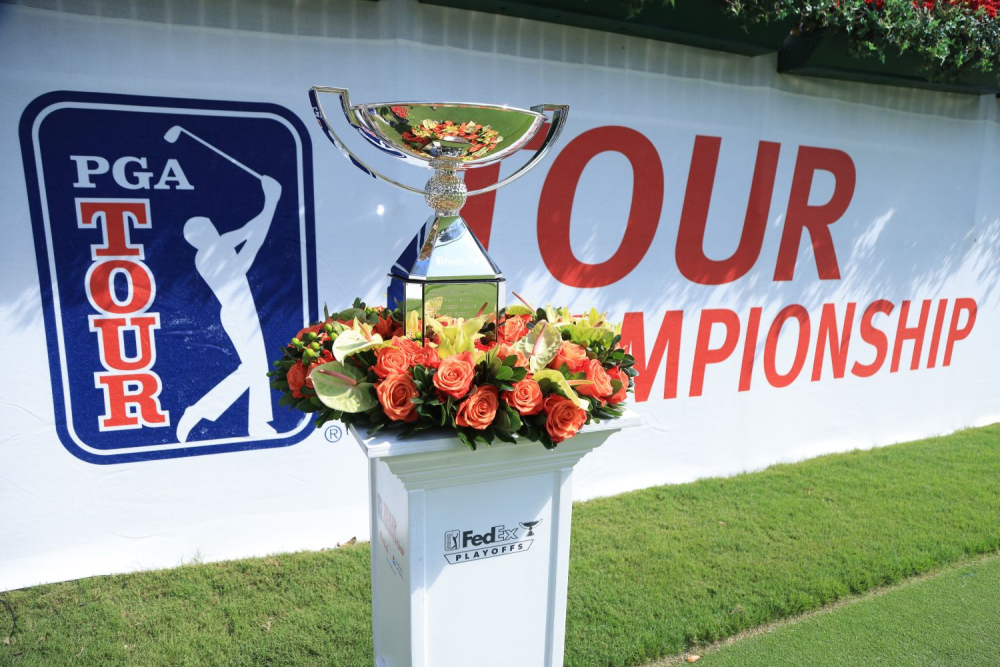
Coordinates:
column 481, row 138
column 536, row 374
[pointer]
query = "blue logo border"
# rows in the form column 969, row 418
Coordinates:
column 31, row 112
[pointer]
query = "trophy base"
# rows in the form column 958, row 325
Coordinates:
column 421, row 299
column 445, row 272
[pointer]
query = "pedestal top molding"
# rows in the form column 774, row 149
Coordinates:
column 431, row 459
column 380, row 446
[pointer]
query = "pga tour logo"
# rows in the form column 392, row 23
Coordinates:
column 462, row 546
column 173, row 243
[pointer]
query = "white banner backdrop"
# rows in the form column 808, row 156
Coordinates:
column 740, row 221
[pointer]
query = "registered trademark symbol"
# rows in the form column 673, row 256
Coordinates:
column 333, row 433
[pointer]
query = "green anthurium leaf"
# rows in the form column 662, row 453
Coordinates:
column 343, row 387
column 541, row 345
column 553, row 381
column 354, row 340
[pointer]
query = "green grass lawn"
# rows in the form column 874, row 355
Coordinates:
column 952, row 619
column 653, row 572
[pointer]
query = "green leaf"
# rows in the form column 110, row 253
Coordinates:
column 465, row 438
column 506, row 437
column 552, row 381
column 346, row 391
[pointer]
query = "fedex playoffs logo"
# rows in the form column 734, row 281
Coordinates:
column 173, row 241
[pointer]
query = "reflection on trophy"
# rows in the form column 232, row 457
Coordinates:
column 444, row 271
column 529, row 525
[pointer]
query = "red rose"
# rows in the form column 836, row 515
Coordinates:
column 596, row 374
column 563, row 419
column 386, row 327
column 394, row 393
column 485, row 347
column 390, row 360
column 619, row 396
column 454, row 375
column 526, row 397
column 296, row 377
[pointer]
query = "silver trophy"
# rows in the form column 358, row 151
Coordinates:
column 444, row 271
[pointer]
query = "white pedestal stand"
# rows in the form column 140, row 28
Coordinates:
column 470, row 550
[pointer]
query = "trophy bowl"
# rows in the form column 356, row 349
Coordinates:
column 445, row 135
column 444, row 270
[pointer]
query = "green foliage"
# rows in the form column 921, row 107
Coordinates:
column 951, row 40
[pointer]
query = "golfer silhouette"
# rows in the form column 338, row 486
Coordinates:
column 223, row 265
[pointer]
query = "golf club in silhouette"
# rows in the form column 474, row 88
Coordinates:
column 174, row 133
column 224, row 270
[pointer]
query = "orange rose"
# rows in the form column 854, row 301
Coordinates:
column 426, row 355
column 619, row 396
column 596, row 374
column 512, row 330
column 504, row 351
column 454, row 375
column 417, row 354
column 562, row 417
column 394, row 393
column 389, row 360
column 479, row 409
column 570, row 354
column 526, row 397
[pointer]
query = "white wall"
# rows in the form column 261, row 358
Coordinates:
column 923, row 222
